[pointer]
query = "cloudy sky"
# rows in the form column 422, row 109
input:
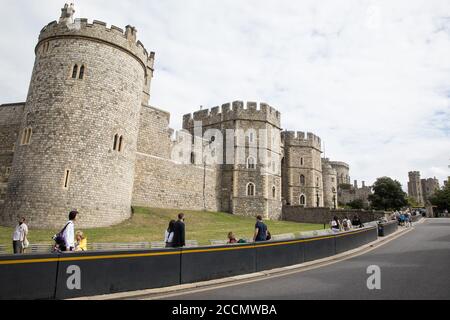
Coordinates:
column 372, row 78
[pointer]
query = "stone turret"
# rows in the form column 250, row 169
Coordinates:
column 78, row 136
column 302, row 169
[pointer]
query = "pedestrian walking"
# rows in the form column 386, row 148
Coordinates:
column 168, row 236
column 179, row 233
column 260, row 230
column 20, row 241
column 335, row 225
column 65, row 239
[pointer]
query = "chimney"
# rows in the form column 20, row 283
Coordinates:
column 355, row 184
column 363, row 184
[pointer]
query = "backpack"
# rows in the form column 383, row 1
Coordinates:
column 59, row 237
column 269, row 236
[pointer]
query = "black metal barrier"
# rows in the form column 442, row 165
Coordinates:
column 202, row 264
column 387, row 228
column 62, row 276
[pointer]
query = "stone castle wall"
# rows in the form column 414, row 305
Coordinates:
column 325, row 215
column 10, row 118
column 74, row 122
column 160, row 182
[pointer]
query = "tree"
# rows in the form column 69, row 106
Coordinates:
column 441, row 198
column 356, row 204
column 388, row 195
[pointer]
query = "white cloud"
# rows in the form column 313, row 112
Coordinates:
column 370, row 77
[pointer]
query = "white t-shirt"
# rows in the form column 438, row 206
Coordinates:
column 69, row 235
column 20, row 232
column 168, row 237
column 334, row 224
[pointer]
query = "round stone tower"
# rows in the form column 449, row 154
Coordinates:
column 329, row 185
column 77, row 144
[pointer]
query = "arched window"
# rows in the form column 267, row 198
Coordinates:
column 302, row 180
column 302, row 161
column 75, row 71
column 81, row 76
column 251, row 190
column 302, row 200
column 251, row 163
column 274, row 192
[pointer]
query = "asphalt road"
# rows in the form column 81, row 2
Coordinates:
column 413, row 266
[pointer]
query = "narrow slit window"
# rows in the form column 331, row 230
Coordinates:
column 75, row 71
column 116, row 140
column 81, row 76
column 66, row 179
column 274, row 192
column 120, row 143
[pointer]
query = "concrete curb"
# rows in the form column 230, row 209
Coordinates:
column 174, row 290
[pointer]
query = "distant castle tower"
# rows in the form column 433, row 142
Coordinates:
column 330, row 186
column 415, row 187
column 302, row 169
column 77, row 142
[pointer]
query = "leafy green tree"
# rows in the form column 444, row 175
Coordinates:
column 388, row 195
column 356, row 204
column 441, row 198
column 413, row 202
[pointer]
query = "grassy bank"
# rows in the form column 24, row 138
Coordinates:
column 148, row 224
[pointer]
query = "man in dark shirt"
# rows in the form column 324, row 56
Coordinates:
column 179, row 232
column 260, row 230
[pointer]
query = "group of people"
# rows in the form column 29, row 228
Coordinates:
column 345, row 224
column 404, row 218
column 67, row 240
column 175, row 235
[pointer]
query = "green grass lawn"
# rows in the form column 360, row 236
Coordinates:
column 149, row 224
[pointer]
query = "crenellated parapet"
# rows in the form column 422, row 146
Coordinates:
column 234, row 111
column 336, row 164
column 98, row 31
column 301, row 139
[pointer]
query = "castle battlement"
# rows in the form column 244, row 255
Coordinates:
column 301, row 139
column 340, row 164
column 98, row 31
column 237, row 110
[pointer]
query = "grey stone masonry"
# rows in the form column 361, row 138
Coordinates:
column 87, row 139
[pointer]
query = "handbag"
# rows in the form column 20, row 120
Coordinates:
column 59, row 237
column 26, row 243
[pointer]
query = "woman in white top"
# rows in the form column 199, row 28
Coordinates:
column 335, row 225
column 69, row 233
column 168, row 237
